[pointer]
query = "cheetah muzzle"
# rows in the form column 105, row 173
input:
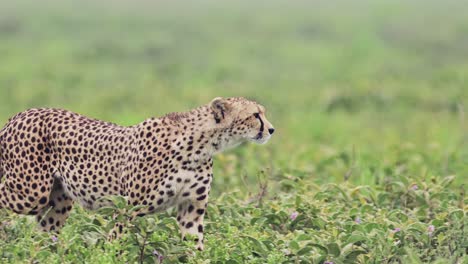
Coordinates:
column 51, row 158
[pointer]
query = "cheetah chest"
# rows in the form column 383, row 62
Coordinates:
column 177, row 189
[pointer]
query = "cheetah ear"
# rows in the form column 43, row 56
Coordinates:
column 219, row 107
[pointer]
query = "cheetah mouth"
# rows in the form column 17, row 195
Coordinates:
column 260, row 139
column 259, row 136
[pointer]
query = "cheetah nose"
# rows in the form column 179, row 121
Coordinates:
column 271, row 131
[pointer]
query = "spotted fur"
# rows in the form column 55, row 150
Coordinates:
column 51, row 158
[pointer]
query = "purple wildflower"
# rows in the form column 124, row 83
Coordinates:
column 414, row 187
column 357, row 220
column 54, row 238
column 328, row 262
column 158, row 255
column 293, row 216
column 397, row 229
column 430, row 229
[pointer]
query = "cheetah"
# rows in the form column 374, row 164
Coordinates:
column 51, row 158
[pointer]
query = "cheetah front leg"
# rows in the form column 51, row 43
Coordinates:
column 190, row 218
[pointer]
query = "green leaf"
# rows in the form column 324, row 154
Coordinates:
column 356, row 238
column 294, row 245
column 352, row 256
column 322, row 248
column 458, row 214
column 268, row 244
column 288, row 183
column 370, row 226
column 91, row 238
column 273, row 219
column 106, row 210
column 258, row 246
column 303, row 237
column 136, row 208
column 304, row 251
column 412, row 256
column 446, row 181
column 333, row 249
column 343, row 193
column 381, row 198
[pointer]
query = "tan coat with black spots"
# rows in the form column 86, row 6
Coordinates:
column 50, row 158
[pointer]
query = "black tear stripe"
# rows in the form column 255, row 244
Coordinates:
column 262, row 126
column 216, row 117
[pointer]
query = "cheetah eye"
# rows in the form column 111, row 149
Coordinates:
column 256, row 115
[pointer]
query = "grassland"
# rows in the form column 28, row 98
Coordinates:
column 369, row 163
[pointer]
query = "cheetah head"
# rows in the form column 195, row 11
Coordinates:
column 242, row 119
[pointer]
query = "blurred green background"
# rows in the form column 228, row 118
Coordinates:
column 363, row 91
column 369, row 100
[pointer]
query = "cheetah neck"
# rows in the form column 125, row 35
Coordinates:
column 200, row 136
column 208, row 142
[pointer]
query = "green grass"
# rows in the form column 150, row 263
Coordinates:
column 368, row 98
